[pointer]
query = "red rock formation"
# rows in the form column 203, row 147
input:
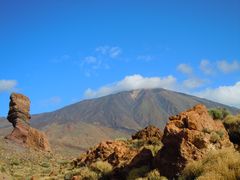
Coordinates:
column 149, row 133
column 187, row 137
column 112, row 151
column 22, row 133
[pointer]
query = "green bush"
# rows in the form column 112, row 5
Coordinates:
column 219, row 113
column 218, row 164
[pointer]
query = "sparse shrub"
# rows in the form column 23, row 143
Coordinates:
column 45, row 165
column 220, row 133
column 219, row 113
column 154, row 148
column 232, row 125
column 218, row 164
column 137, row 143
column 154, row 175
column 206, row 130
column 121, row 139
column 15, row 162
column 215, row 113
column 137, row 173
column 102, row 167
column 82, row 173
column 214, row 138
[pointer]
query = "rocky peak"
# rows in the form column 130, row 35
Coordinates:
column 187, row 137
column 19, row 116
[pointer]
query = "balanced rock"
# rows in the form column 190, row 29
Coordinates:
column 22, row 133
column 187, row 137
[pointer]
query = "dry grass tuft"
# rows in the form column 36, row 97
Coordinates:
column 218, row 164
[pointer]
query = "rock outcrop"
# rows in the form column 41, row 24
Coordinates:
column 187, row 137
column 22, row 133
column 149, row 133
column 112, row 151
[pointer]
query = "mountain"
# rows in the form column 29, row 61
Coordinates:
column 76, row 127
column 131, row 110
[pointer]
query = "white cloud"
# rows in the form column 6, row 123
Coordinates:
column 229, row 95
column 112, row 52
column 185, row 69
column 206, row 68
column 7, row 85
column 192, row 83
column 133, row 82
column 228, row 67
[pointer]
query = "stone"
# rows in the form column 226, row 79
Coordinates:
column 112, row 151
column 187, row 137
column 149, row 133
column 19, row 116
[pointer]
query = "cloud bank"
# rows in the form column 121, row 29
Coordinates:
column 229, row 95
column 7, row 85
column 133, row 82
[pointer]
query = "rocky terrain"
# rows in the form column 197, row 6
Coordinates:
column 81, row 125
column 183, row 150
column 187, row 137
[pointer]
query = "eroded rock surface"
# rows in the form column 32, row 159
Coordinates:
column 149, row 133
column 187, row 137
column 112, row 151
column 19, row 116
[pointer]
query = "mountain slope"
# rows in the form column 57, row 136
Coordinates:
column 130, row 110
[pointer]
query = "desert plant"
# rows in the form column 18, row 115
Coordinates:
column 214, row 138
column 121, row 139
column 232, row 125
column 154, row 148
column 154, row 175
column 219, row 113
column 137, row 172
column 137, row 143
column 102, row 167
column 82, row 173
column 220, row 133
column 206, row 130
column 218, row 164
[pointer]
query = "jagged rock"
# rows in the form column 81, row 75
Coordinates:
column 112, row 151
column 148, row 133
column 187, row 137
column 22, row 133
column 121, row 155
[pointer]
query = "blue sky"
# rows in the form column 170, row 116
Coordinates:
column 60, row 52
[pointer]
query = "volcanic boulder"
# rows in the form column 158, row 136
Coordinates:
column 149, row 133
column 187, row 137
column 112, row 151
column 22, row 133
